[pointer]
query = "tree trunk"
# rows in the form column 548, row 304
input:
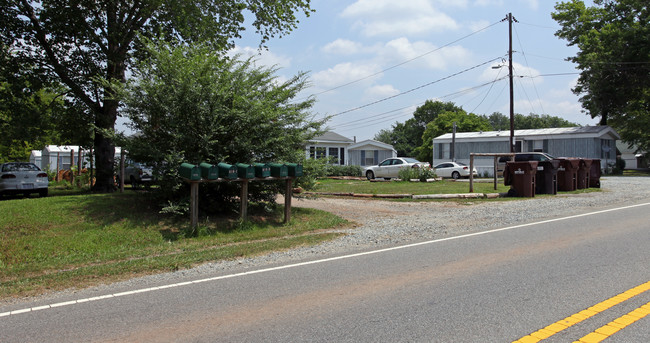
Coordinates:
column 105, row 148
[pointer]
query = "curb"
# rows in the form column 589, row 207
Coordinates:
column 411, row 196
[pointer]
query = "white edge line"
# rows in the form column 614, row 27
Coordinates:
column 265, row 270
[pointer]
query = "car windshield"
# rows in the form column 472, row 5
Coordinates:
column 12, row 167
column 410, row 160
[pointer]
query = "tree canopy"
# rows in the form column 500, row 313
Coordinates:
column 188, row 104
column 83, row 41
column 613, row 38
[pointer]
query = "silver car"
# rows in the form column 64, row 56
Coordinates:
column 22, row 178
column 390, row 167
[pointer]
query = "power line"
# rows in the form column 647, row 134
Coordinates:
column 407, row 61
column 533, row 80
column 416, row 88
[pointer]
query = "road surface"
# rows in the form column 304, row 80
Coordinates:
column 566, row 279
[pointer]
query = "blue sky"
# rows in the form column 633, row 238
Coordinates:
column 395, row 55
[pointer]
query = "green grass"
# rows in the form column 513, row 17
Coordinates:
column 82, row 240
column 399, row 187
column 633, row 172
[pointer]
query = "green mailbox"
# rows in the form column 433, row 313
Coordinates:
column 209, row 171
column 227, row 171
column 190, row 171
column 294, row 170
column 278, row 170
column 245, row 171
column 262, row 170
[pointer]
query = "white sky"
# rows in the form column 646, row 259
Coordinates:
column 357, row 41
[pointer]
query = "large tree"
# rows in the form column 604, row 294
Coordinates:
column 613, row 38
column 500, row 121
column 83, row 41
column 444, row 123
column 407, row 136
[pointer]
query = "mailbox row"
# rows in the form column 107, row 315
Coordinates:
column 222, row 170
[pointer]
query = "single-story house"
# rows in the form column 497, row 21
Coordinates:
column 58, row 157
column 633, row 158
column 586, row 141
column 346, row 151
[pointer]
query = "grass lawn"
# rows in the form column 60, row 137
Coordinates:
column 86, row 239
column 403, row 187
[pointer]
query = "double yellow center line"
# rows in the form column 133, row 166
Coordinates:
column 603, row 332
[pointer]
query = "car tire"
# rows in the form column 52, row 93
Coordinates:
column 370, row 175
column 455, row 175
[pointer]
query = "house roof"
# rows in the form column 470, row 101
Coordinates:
column 550, row 133
column 331, row 137
column 373, row 143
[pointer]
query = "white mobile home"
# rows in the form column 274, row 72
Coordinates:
column 62, row 157
column 588, row 142
column 35, row 157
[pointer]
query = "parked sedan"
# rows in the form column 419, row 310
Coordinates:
column 390, row 167
column 453, row 170
column 22, row 178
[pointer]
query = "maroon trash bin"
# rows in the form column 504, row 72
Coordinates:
column 546, row 177
column 521, row 177
column 567, row 174
column 594, row 173
column 583, row 172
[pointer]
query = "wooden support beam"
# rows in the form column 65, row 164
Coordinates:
column 287, row 200
column 194, row 204
column 243, row 204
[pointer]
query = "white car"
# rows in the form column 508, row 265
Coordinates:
column 22, row 178
column 453, row 170
column 390, row 167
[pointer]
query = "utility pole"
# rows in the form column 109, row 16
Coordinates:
column 512, row 98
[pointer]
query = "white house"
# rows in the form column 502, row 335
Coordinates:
column 346, row 151
column 598, row 142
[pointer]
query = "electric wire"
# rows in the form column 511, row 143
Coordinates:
column 532, row 80
column 416, row 88
column 407, row 61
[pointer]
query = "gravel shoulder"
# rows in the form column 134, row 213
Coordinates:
column 381, row 223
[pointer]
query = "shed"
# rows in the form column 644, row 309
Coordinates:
column 585, row 141
column 35, row 157
column 633, row 157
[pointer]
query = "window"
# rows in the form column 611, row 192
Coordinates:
column 369, row 158
column 312, row 152
column 320, row 152
column 334, row 155
column 342, row 156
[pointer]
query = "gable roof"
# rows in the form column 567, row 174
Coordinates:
column 550, row 133
column 372, row 142
column 331, row 137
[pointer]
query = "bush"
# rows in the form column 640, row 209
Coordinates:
column 422, row 174
column 339, row 170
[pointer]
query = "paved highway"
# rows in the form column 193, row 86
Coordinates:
column 582, row 277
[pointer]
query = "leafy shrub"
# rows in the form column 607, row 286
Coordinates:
column 339, row 170
column 422, row 174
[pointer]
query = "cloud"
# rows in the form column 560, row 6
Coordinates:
column 397, row 18
column 261, row 57
column 401, row 49
column 343, row 47
column 380, row 92
column 345, row 72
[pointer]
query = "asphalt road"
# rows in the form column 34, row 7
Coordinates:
column 495, row 286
